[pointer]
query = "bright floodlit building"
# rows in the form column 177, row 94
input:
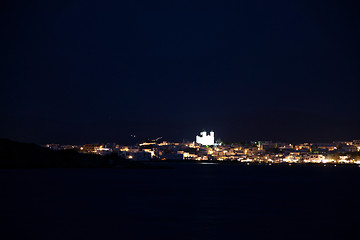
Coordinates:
column 205, row 139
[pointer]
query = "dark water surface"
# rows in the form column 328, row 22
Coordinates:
column 190, row 201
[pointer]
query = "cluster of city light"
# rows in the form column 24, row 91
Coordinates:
column 254, row 152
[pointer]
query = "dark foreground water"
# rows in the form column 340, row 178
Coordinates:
column 190, row 201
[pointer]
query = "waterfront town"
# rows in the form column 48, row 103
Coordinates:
column 205, row 148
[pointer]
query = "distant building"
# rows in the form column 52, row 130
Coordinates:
column 264, row 145
column 142, row 156
column 313, row 158
column 90, row 148
column 323, row 147
column 205, row 139
column 172, row 156
column 348, row 148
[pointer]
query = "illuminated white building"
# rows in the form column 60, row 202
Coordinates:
column 205, row 139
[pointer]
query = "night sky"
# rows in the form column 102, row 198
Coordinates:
column 99, row 71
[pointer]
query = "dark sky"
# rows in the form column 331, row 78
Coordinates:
column 89, row 71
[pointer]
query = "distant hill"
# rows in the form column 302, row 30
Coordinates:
column 25, row 155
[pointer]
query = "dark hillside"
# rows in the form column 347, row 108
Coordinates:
column 27, row 155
